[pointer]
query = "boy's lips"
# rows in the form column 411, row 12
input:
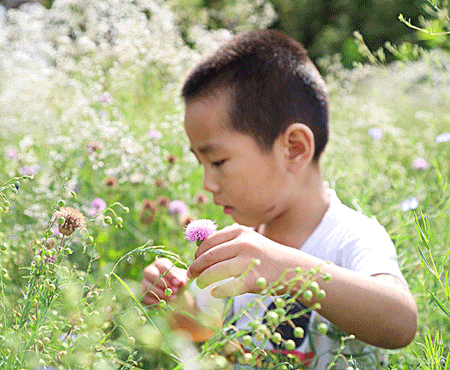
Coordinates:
column 226, row 209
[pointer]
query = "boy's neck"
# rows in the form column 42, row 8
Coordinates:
column 303, row 214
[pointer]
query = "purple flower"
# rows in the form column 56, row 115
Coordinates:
column 29, row 170
column 420, row 164
column 12, row 153
column 154, row 134
column 98, row 205
column 177, row 206
column 443, row 138
column 409, row 204
column 105, row 98
column 199, row 230
column 376, row 133
column 55, row 230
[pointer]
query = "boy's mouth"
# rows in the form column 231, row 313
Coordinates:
column 227, row 209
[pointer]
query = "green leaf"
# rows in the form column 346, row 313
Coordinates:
column 425, row 261
column 440, row 304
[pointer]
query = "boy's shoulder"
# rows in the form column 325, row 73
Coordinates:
column 348, row 220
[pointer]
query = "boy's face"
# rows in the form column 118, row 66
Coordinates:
column 246, row 181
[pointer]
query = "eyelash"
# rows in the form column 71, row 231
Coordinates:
column 218, row 163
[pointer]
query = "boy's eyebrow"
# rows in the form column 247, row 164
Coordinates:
column 207, row 148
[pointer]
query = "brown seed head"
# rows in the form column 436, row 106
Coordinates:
column 73, row 219
column 111, row 181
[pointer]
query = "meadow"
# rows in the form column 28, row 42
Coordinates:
column 92, row 133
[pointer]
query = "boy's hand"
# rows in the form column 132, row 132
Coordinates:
column 159, row 276
column 229, row 253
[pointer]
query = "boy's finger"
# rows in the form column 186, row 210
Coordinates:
column 165, row 275
column 219, row 237
column 230, row 288
column 219, row 253
column 220, row 271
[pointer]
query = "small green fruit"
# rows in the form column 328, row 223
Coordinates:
column 322, row 328
column 307, row 295
column 276, row 338
column 299, row 332
column 261, row 282
column 290, row 345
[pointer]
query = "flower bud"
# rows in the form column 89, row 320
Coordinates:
column 307, row 295
column 290, row 345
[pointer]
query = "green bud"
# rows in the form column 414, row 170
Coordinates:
column 272, row 317
column 89, row 239
column 119, row 220
column 131, row 341
column 322, row 328
column 61, row 220
column 168, row 292
column 108, row 220
column 261, row 282
column 276, row 338
column 7, row 204
column 326, row 277
column 290, row 345
column 3, row 247
column 321, row 294
column 61, row 203
column 307, row 295
column 299, row 332
column 279, row 302
column 260, row 337
column 314, row 287
column 220, row 362
column 246, row 340
column 17, row 184
column 162, row 304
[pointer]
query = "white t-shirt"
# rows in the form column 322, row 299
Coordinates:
column 348, row 239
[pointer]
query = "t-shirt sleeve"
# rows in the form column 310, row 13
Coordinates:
column 370, row 250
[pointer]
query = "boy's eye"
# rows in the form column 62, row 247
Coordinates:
column 218, row 163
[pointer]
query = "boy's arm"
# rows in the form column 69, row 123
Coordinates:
column 378, row 310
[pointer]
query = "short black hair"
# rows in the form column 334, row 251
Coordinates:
column 272, row 84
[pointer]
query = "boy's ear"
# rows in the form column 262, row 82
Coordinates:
column 298, row 140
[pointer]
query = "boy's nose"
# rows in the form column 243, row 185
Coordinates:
column 209, row 184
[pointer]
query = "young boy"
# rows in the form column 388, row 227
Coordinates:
column 257, row 120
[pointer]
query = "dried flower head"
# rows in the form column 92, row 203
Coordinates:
column 73, row 219
column 148, row 205
column 199, row 230
column 172, row 159
column 201, row 199
column 163, row 201
column 111, row 181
